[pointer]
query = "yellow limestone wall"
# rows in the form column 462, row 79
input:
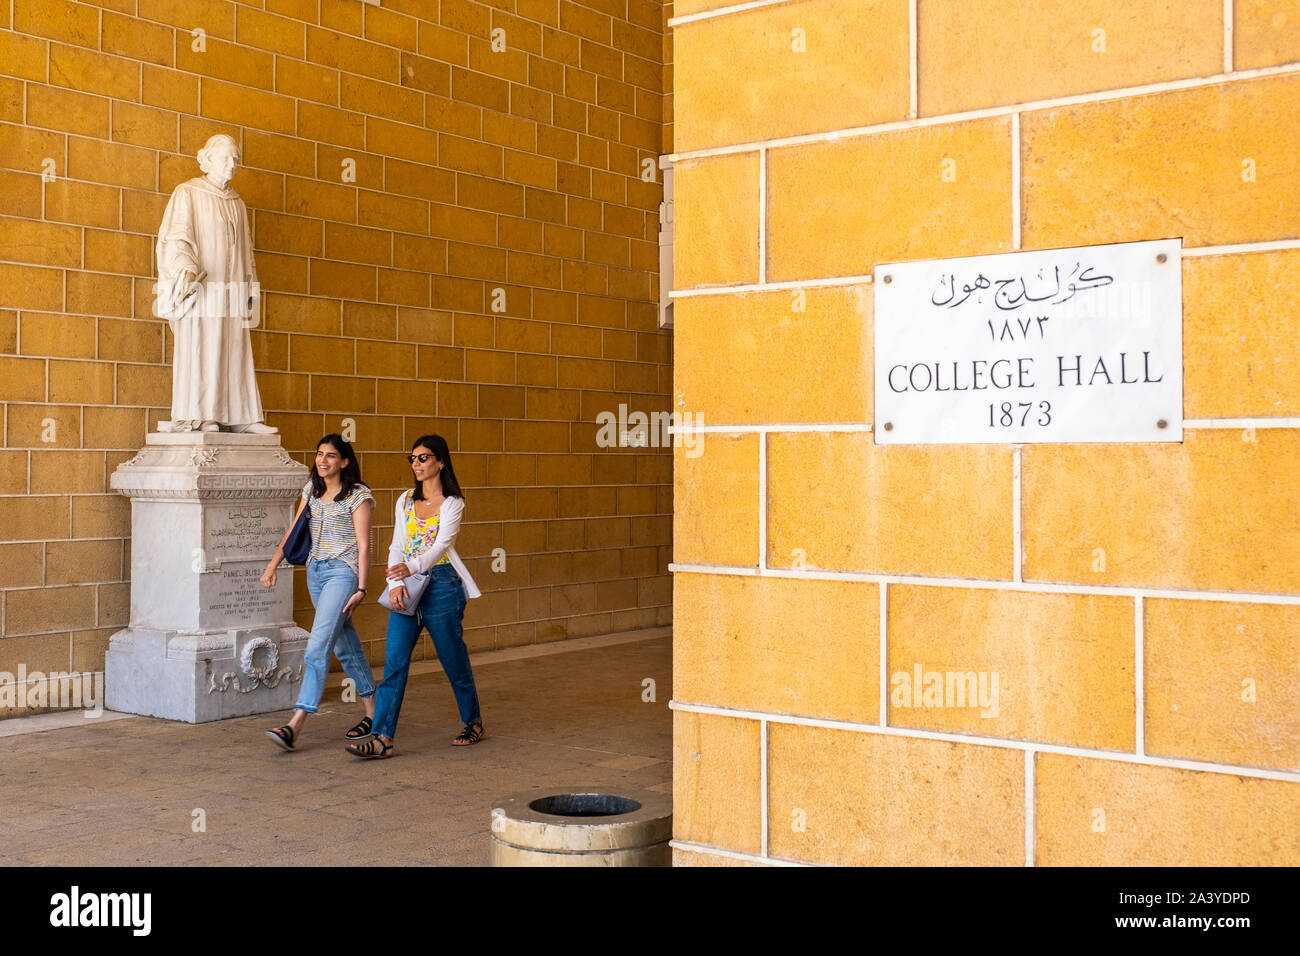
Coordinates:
column 518, row 169
column 1139, row 604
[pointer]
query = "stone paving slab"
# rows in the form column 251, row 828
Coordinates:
column 124, row 792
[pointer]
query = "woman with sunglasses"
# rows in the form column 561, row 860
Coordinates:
column 340, row 553
column 424, row 531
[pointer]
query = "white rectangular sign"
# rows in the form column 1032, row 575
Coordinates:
column 1057, row 345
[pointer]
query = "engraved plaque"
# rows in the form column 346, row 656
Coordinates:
column 235, row 596
column 243, row 531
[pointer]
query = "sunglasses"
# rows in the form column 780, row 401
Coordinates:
column 422, row 458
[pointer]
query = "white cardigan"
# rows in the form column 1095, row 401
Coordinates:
column 448, row 525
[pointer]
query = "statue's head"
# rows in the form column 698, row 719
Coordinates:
column 219, row 157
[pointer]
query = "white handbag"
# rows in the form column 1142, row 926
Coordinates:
column 415, row 585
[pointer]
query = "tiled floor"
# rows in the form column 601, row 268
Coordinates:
column 125, row 792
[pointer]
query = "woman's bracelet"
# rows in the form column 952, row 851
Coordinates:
column 361, row 590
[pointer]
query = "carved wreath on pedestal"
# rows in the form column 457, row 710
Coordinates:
column 257, row 674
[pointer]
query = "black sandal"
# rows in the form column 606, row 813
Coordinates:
column 374, row 747
column 472, row 734
column 284, row 736
column 360, row 730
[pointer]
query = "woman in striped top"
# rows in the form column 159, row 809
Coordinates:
column 340, row 551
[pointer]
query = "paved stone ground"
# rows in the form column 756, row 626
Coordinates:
column 122, row 793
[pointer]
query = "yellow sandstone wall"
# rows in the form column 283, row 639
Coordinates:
column 475, row 170
column 1147, row 639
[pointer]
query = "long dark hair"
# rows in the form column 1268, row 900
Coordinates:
column 349, row 477
column 450, row 486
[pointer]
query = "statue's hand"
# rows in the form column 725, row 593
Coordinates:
column 254, row 304
column 189, row 284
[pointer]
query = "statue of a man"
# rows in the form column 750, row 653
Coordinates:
column 207, row 290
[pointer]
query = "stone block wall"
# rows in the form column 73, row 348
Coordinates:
column 1137, row 604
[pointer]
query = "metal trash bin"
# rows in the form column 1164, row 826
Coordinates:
column 593, row 827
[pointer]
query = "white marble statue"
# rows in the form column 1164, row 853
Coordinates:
column 207, row 290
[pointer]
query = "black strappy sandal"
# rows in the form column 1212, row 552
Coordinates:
column 284, row 736
column 472, row 734
column 360, row 730
column 374, row 747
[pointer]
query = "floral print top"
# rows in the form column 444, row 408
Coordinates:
column 420, row 533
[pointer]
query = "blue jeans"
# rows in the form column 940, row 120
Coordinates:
column 331, row 584
column 442, row 607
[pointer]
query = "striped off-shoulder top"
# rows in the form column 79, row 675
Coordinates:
column 333, row 536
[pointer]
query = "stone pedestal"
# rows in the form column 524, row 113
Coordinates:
column 206, row 640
